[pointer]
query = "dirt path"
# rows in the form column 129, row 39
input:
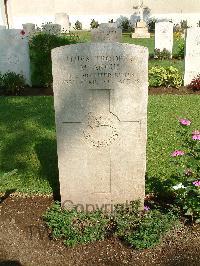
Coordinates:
column 24, row 241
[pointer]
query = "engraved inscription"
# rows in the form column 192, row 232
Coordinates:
column 100, row 131
column 106, row 70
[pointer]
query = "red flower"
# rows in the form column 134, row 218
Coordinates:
column 22, row 32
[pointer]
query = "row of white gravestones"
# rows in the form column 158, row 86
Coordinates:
column 61, row 25
column 164, row 36
column 30, row 29
column 14, row 53
column 192, row 55
column 100, row 99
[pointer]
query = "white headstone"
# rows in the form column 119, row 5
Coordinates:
column 192, row 55
column 63, row 20
column 164, row 36
column 29, row 28
column 53, row 29
column 2, row 27
column 107, row 25
column 100, row 99
column 106, row 35
column 14, row 55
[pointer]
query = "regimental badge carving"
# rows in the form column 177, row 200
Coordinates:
column 100, row 131
column 13, row 59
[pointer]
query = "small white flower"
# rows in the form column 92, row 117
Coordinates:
column 178, row 186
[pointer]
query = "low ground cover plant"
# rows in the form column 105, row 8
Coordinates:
column 139, row 229
column 162, row 54
column 12, row 83
column 180, row 53
column 165, row 76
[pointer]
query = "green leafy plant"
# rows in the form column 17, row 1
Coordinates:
column 151, row 24
column 78, row 25
column 187, row 174
column 195, row 83
column 40, row 47
column 12, row 83
column 94, row 24
column 76, row 227
column 162, row 55
column 127, row 218
column 181, row 49
column 165, row 76
column 1, row 82
column 126, row 222
column 184, row 24
column 150, row 230
column 124, row 24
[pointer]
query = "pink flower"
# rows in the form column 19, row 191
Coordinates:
column 196, row 183
column 184, row 122
column 196, row 132
column 177, row 153
column 196, row 137
column 146, row 208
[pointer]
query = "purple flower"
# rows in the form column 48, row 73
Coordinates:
column 184, row 122
column 146, row 208
column 196, row 183
column 177, row 153
column 196, row 137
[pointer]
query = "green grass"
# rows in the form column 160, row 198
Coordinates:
column 179, row 64
column 28, row 140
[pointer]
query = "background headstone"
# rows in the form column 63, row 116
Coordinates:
column 108, row 25
column 100, row 99
column 53, row 29
column 14, row 55
column 29, row 28
column 106, row 35
column 63, row 20
column 141, row 30
column 2, row 27
column 164, row 36
column 192, row 54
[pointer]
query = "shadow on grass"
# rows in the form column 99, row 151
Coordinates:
column 10, row 263
column 46, row 151
column 28, row 143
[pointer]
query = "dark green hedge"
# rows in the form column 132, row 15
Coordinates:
column 40, row 54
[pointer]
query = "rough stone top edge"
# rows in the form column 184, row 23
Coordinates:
column 97, row 45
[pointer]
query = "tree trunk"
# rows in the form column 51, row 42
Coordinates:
column 6, row 12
